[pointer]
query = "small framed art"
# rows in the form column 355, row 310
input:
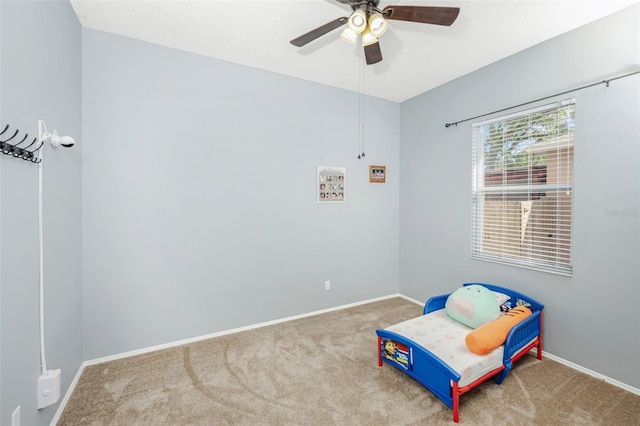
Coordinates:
column 330, row 184
column 377, row 174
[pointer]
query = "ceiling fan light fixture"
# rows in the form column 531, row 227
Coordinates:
column 357, row 21
column 371, row 23
column 377, row 24
column 349, row 35
column 368, row 38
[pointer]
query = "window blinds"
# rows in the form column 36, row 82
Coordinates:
column 522, row 188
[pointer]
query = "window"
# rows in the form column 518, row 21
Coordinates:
column 522, row 188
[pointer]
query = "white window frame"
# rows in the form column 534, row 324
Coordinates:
column 562, row 216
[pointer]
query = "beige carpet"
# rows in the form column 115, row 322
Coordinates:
column 323, row 370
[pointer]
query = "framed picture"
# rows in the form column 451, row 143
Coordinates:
column 377, row 174
column 330, row 184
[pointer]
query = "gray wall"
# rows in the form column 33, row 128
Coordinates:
column 41, row 73
column 1, row 117
column 593, row 318
column 199, row 210
column 195, row 199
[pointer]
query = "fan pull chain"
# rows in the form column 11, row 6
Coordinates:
column 361, row 108
column 359, row 102
column 362, row 96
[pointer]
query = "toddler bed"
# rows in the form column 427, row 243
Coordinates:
column 434, row 349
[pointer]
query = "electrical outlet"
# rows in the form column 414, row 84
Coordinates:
column 327, row 285
column 48, row 388
column 15, row 417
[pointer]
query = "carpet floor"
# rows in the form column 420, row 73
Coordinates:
column 322, row 370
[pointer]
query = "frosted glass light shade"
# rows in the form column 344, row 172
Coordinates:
column 357, row 21
column 377, row 24
column 368, row 38
column 349, row 35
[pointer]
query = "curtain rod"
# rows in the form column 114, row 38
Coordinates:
column 546, row 97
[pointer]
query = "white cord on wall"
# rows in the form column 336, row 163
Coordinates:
column 56, row 141
column 49, row 381
column 43, row 360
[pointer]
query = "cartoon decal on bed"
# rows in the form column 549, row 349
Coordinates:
column 396, row 352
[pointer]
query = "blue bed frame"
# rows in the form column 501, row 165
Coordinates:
column 442, row 380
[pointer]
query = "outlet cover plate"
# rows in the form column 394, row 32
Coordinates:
column 15, row 417
column 48, row 388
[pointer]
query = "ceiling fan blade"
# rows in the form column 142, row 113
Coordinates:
column 372, row 53
column 424, row 14
column 318, row 32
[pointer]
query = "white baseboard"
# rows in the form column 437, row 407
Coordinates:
column 72, row 386
column 234, row 330
column 591, row 373
column 417, row 302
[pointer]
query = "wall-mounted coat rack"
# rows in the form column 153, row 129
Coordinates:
column 17, row 151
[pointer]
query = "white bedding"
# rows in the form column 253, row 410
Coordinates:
column 444, row 337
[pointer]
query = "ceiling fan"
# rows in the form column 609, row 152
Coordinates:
column 370, row 22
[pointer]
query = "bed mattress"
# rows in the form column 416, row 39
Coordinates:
column 444, row 337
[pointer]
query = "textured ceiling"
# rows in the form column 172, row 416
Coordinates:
column 417, row 57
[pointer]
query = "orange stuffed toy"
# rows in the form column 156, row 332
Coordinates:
column 489, row 336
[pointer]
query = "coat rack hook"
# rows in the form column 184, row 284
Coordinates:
column 26, row 135
column 29, row 146
column 14, row 135
column 37, row 148
column 27, row 154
